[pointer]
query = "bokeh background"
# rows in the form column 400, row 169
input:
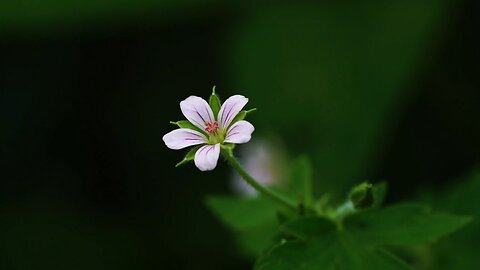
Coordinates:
column 377, row 90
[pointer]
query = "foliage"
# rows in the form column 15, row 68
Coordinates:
column 358, row 234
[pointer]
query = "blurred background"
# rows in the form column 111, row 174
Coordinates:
column 369, row 90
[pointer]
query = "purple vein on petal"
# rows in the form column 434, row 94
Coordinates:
column 233, row 128
column 196, row 122
column 228, row 114
column 201, row 150
column 209, row 116
column 200, row 116
column 194, row 134
column 210, row 148
column 231, row 134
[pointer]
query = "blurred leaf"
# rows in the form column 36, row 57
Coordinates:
column 461, row 250
column 318, row 243
column 242, row 213
column 301, row 180
column 309, row 227
column 255, row 240
column 253, row 220
column 323, row 247
column 403, row 224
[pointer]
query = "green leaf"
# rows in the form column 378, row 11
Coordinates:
column 308, row 227
column 255, row 240
column 189, row 156
column 460, row 251
column 214, row 102
column 318, row 245
column 301, row 180
column 253, row 220
column 241, row 213
column 403, row 224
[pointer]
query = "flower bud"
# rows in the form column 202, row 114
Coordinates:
column 362, row 196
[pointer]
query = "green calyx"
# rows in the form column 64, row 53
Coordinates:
column 216, row 137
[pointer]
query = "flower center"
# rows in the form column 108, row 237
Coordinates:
column 215, row 134
column 211, row 127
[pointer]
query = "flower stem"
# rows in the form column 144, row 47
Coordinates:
column 254, row 183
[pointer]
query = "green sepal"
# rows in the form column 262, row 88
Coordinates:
column 227, row 146
column 186, row 124
column 242, row 114
column 361, row 196
column 214, row 102
column 189, row 156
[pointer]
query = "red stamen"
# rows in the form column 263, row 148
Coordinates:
column 211, row 127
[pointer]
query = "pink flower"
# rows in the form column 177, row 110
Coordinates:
column 209, row 130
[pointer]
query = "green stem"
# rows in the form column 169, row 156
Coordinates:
column 251, row 181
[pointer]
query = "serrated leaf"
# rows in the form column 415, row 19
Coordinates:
column 214, row 102
column 301, row 180
column 189, row 156
column 403, row 224
column 316, row 243
column 321, row 246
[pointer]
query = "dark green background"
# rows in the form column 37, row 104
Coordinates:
column 378, row 90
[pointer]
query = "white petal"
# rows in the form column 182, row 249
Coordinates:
column 207, row 156
column 239, row 132
column 197, row 111
column 230, row 108
column 183, row 137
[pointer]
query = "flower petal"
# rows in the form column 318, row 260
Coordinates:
column 183, row 137
column 239, row 132
column 197, row 111
column 230, row 108
column 207, row 156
